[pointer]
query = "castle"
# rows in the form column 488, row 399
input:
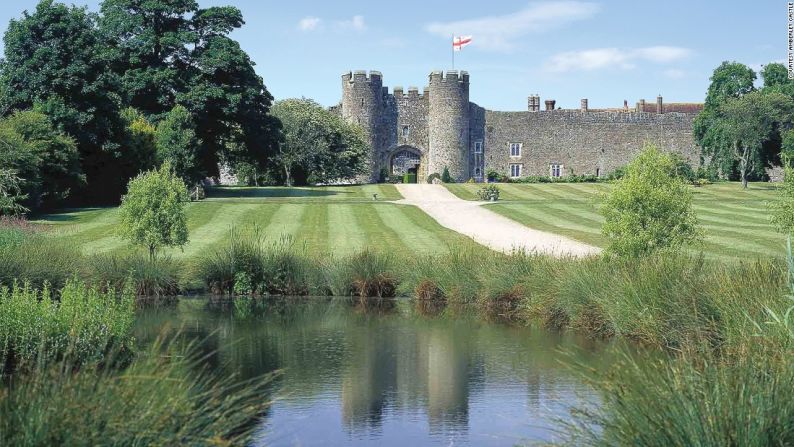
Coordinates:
column 423, row 133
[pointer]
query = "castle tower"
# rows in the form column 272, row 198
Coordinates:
column 362, row 104
column 449, row 124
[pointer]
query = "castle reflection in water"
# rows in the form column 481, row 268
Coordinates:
column 388, row 373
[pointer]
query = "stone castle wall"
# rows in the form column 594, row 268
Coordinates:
column 443, row 128
column 449, row 124
column 582, row 142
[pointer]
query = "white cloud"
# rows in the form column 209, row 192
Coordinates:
column 601, row 58
column 309, row 23
column 355, row 23
column 500, row 33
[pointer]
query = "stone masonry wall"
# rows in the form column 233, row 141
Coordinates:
column 449, row 124
column 583, row 142
column 412, row 111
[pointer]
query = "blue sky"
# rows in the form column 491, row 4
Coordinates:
column 606, row 51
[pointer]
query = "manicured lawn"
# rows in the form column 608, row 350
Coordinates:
column 339, row 220
column 735, row 221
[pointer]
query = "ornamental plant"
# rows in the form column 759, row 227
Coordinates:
column 152, row 213
column 650, row 208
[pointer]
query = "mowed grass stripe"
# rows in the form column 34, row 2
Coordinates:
column 215, row 229
column 285, row 221
column 378, row 236
column 402, row 221
column 344, row 235
column 549, row 224
column 313, row 230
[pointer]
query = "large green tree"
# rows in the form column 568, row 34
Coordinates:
column 177, row 144
column 171, row 52
column 748, row 123
column 56, row 63
column 319, row 146
column 45, row 160
column 729, row 81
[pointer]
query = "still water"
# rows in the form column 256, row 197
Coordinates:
column 384, row 374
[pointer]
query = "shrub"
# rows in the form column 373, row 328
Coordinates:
column 83, row 324
column 488, row 192
column 446, row 177
column 152, row 213
column 367, row 274
column 37, row 259
column 433, row 176
column 649, row 209
column 158, row 277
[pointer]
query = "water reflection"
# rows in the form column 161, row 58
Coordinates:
column 382, row 373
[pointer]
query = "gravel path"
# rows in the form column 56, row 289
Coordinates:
column 485, row 226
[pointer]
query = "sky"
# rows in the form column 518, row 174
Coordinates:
column 606, row 51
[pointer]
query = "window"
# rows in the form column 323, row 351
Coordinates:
column 477, row 172
column 406, row 131
column 478, row 147
column 515, row 149
column 556, row 170
column 515, row 170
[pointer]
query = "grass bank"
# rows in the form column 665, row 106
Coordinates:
column 735, row 221
column 670, row 301
column 337, row 220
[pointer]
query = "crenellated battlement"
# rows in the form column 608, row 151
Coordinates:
column 449, row 76
column 362, row 76
column 412, row 94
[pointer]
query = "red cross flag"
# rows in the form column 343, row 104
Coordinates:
column 459, row 42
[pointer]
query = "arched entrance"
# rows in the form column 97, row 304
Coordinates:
column 405, row 160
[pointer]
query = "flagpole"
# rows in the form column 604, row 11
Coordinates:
column 453, row 51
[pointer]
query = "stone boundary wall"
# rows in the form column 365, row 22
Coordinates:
column 583, row 142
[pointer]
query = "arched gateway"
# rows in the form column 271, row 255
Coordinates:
column 405, row 160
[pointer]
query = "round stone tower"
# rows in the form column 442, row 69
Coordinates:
column 362, row 104
column 449, row 124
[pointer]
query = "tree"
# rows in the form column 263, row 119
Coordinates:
column 782, row 210
column 11, row 195
column 177, row 144
column 729, row 80
column 748, row 122
column 54, row 62
column 319, row 144
column 650, row 208
column 170, row 52
column 152, row 213
column 139, row 144
column 45, row 160
column 774, row 75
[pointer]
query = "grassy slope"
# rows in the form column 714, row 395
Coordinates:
column 337, row 219
column 735, row 221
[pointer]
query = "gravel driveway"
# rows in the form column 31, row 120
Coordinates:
column 486, row 227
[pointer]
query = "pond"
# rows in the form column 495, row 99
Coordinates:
column 385, row 373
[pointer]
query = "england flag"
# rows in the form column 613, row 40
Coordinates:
column 459, row 42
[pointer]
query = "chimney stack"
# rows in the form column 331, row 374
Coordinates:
column 642, row 105
column 659, row 105
column 533, row 103
column 550, row 104
column 625, row 105
column 583, row 104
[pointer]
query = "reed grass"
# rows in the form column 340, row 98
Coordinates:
column 165, row 397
